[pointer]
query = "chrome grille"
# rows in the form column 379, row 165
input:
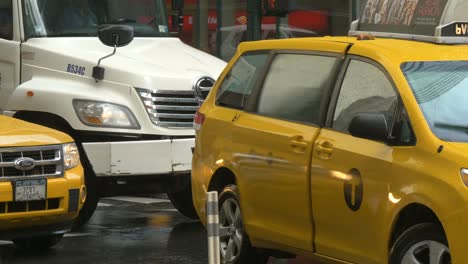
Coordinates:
column 168, row 108
column 48, row 162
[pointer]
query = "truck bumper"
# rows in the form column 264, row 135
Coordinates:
column 140, row 157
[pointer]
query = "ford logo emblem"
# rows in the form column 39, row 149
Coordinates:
column 25, row 164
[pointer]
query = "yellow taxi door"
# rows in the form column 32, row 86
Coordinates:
column 273, row 142
column 350, row 175
column 234, row 91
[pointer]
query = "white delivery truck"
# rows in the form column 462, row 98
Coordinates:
column 132, row 115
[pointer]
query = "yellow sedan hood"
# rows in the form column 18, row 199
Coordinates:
column 17, row 133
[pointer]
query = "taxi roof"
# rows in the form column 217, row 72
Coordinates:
column 398, row 50
column 398, row 30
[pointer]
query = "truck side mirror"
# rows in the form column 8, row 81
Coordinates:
column 371, row 126
column 114, row 36
column 275, row 7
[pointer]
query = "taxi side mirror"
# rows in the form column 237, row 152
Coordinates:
column 371, row 126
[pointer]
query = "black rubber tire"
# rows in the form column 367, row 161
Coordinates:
column 183, row 202
column 248, row 254
column 414, row 235
column 92, row 197
column 38, row 243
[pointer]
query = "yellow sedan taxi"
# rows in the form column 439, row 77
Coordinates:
column 41, row 184
column 345, row 149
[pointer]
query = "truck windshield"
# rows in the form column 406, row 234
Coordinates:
column 441, row 90
column 62, row 18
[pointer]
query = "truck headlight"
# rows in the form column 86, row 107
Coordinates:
column 103, row 114
column 71, row 156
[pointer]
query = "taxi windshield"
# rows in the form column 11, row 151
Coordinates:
column 65, row 18
column 441, row 90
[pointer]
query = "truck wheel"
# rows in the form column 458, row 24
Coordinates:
column 38, row 243
column 235, row 247
column 182, row 201
column 422, row 243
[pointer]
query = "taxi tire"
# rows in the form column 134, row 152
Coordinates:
column 248, row 254
column 183, row 202
column 412, row 236
column 38, row 243
column 92, row 197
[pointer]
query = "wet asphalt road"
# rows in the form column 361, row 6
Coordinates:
column 126, row 230
column 136, row 231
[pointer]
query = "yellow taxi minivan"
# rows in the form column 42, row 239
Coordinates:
column 41, row 184
column 344, row 149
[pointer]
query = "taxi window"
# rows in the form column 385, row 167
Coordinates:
column 440, row 89
column 365, row 88
column 294, row 87
column 6, row 20
column 240, row 81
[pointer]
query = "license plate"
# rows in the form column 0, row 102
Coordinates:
column 30, row 190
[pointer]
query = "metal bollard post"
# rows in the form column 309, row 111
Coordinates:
column 212, row 227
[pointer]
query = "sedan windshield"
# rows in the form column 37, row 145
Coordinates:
column 441, row 90
column 62, row 18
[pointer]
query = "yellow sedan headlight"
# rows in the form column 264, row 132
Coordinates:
column 71, row 156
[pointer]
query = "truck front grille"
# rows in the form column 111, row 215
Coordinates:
column 48, row 162
column 172, row 109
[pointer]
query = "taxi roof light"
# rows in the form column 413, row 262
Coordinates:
column 444, row 24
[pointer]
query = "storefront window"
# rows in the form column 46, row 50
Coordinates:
column 227, row 22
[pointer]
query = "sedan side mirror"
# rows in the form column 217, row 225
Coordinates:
column 114, row 36
column 371, row 126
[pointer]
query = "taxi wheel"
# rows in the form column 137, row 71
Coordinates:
column 183, row 202
column 235, row 247
column 422, row 243
column 38, row 243
column 92, row 197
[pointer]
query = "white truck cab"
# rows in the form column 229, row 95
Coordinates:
column 133, row 127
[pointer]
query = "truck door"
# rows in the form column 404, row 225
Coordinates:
column 9, row 49
column 350, row 175
column 274, row 138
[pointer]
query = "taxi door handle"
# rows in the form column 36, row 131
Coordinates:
column 324, row 148
column 298, row 143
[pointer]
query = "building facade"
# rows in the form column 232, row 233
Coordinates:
column 218, row 26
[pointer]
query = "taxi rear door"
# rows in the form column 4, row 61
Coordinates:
column 273, row 141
